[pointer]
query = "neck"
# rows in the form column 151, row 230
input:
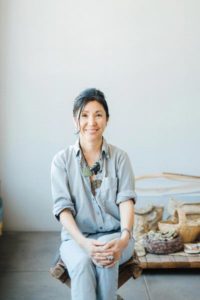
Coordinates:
column 93, row 146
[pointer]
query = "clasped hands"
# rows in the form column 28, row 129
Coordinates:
column 104, row 254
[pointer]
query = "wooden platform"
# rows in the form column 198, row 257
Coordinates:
column 152, row 261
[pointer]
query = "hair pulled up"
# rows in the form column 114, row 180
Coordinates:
column 86, row 96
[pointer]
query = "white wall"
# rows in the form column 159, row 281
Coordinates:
column 145, row 56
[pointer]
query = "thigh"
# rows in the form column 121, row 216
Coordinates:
column 106, row 237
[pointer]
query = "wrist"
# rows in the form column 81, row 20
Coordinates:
column 124, row 240
column 127, row 233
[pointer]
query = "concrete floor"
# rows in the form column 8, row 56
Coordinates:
column 25, row 259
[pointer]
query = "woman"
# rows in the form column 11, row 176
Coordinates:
column 93, row 192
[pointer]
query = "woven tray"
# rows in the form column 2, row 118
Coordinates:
column 163, row 247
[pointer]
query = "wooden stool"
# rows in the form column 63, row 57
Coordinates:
column 131, row 268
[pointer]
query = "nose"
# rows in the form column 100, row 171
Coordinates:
column 91, row 120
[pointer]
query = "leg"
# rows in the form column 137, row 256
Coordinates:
column 107, row 278
column 81, row 270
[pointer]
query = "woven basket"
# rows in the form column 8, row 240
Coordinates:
column 189, row 230
column 163, row 247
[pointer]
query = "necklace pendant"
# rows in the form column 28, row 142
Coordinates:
column 87, row 172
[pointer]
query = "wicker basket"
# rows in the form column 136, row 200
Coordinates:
column 189, row 230
column 162, row 246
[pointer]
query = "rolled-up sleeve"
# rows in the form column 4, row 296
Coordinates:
column 126, row 181
column 59, row 186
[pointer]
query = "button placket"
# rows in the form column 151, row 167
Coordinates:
column 99, row 217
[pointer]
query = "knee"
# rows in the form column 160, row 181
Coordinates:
column 83, row 264
column 85, row 261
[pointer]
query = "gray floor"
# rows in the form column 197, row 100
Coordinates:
column 26, row 257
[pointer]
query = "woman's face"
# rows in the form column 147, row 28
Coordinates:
column 92, row 122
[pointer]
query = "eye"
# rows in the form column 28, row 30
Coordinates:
column 99, row 115
column 84, row 115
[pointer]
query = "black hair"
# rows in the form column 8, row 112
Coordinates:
column 87, row 96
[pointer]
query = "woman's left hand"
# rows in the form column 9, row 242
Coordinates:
column 116, row 247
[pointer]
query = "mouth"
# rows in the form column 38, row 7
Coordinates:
column 91, row 130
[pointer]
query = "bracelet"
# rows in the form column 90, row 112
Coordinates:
column 129, row 232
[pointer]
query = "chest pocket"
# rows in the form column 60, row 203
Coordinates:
column 109, row 189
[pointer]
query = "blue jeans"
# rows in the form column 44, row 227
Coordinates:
column 89, row 281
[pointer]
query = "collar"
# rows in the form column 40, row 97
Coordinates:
column 104, row 150
column 77, row 148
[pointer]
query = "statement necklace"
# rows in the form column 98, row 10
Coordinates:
column 94, row 170
column 88, row 172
